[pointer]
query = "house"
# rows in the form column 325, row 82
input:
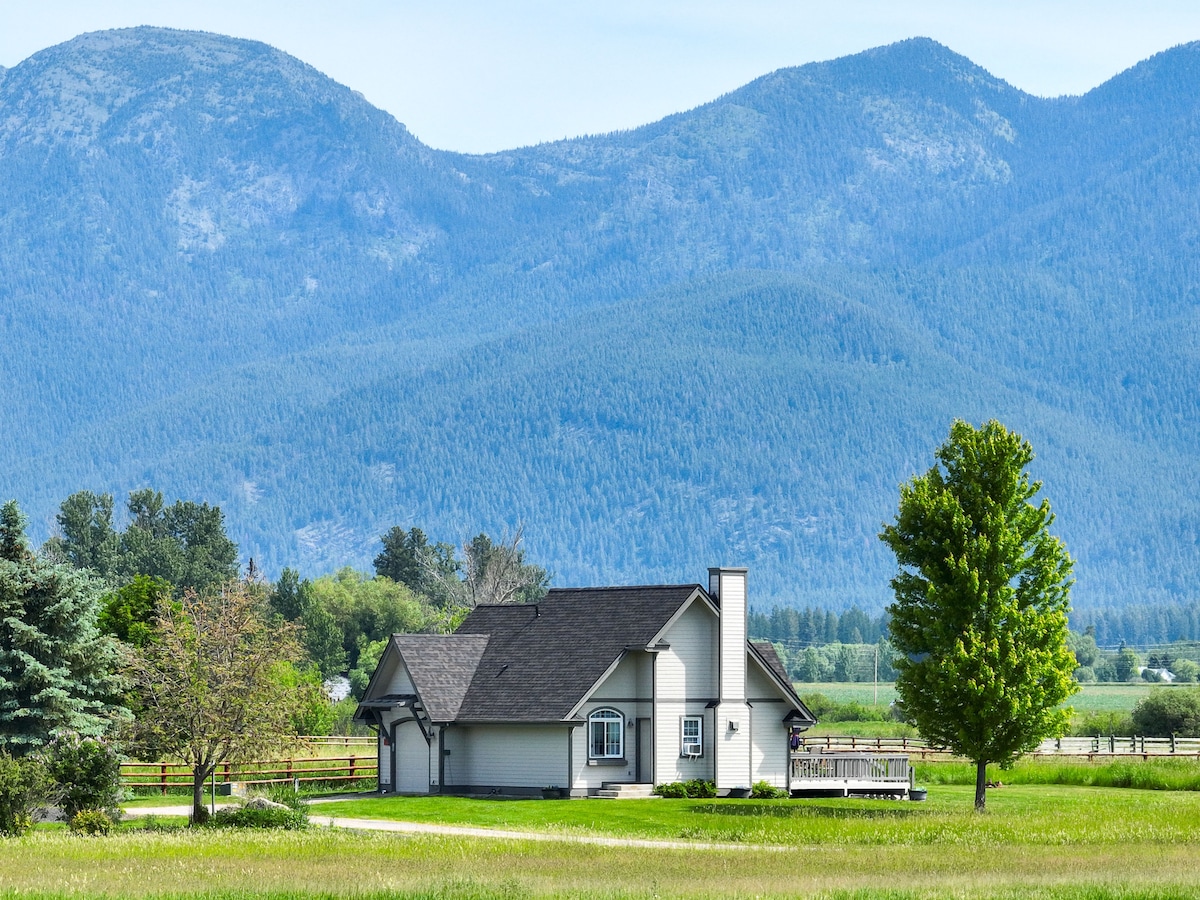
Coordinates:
column 587, row 689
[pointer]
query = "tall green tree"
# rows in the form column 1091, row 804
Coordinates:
column 409, row 559
column 88, row 539
column 57, row 670
column 982, row 596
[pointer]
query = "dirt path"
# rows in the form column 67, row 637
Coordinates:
column 388, row 825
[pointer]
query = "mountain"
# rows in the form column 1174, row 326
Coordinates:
column 724, row 337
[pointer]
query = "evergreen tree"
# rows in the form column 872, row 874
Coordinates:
column 56, row 668
column 980, row 615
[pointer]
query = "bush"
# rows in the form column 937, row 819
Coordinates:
column 696, row 789
column 262, row 814
column 1168, row 711
column 93, row 822
column 764, row 790
column 87, row 773
column 24, row 787
column 1102, row 723
column 1085, row 675
column 829, row 710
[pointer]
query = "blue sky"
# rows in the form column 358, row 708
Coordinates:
column 478, row 76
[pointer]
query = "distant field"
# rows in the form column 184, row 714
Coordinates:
column 1093, row 697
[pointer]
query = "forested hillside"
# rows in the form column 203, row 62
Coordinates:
column 725, row 337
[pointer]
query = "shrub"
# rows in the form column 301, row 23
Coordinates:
column 1085, row 674
column 93, row 822
column 1168, row 711
column 695, row 789
column 674, row 790
column 87, row 773
column 764, row 790
column 1102, row 723
column 24, row 787
column 260, row 814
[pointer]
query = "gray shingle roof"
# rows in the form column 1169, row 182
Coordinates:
column 441, row 666
column 542, row 658
column 766, row 651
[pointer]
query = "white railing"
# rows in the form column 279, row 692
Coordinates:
column 858, row 769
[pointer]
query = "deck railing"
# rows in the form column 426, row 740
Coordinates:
column 859, row 768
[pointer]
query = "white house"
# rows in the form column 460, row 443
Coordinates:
column 589, row 688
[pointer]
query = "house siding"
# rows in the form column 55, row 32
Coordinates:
column 510, row 756
column 412, row 759
column 686, row 683
column 769, row 748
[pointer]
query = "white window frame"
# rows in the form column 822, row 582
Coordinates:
column 686, row 740
column 612, row 721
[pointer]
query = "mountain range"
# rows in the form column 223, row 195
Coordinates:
column 722, row 338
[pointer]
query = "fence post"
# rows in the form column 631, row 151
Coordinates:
column 1112, row 743
column 1172, row 742
column 351, row 766
column 164, row 779
column 290, row 769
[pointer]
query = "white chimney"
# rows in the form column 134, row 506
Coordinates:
column 732, row 726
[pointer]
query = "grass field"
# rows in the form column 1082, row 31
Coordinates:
column 1092, row 699
column 1041, row 842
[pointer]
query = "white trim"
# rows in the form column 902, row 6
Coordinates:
column 606, row 715
column 694, row 747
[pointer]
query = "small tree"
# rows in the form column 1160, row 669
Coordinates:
column 980, row 616
column 210, row 685
column 87, row 775
column 1168, row 711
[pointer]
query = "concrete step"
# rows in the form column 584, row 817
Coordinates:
column 616, row 791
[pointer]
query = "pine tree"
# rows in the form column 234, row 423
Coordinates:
column 56, row 668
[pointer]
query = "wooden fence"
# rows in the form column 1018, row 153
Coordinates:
column 1098, row 745
column 298, row 771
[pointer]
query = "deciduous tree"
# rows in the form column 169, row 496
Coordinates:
column 980, row 615
column 212, row 685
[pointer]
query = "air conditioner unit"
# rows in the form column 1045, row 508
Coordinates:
column 691, row 749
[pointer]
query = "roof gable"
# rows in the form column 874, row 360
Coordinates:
column 441, row 667
column 541, row 659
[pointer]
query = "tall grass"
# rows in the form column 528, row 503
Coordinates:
column 1154, row 774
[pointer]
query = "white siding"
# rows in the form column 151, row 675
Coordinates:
column 686, row 682
column 412, row 759
column 533, row 756
column 769, row 751
column 455, row 762
column 400, row 683
column 732, row 601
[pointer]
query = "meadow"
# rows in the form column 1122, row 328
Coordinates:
column 1035, row 841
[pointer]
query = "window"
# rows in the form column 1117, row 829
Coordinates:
column 606, row 734
column 693, row 736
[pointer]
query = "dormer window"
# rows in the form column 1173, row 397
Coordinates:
column 606, row 734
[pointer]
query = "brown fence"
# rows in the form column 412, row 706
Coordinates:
column 299, row 771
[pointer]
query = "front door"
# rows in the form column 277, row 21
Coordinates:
column 645, row 752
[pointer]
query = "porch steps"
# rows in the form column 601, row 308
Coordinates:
column 610, row 790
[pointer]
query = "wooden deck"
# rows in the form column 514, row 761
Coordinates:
column 846, row 774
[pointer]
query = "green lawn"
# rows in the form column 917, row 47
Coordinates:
column 1042, row 842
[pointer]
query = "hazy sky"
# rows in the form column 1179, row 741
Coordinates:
column 479, row 76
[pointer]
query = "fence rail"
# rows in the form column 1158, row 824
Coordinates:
column 1097, row 745
column 323, row 769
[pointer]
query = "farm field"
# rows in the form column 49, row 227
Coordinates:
column 1035, row 841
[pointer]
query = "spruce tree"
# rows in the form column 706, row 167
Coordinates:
column 56, row 668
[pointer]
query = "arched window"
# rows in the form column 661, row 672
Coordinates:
column 606, row 734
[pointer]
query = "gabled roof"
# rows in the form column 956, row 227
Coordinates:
column 441, row 667
column 765, row 651
column 542, row 658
